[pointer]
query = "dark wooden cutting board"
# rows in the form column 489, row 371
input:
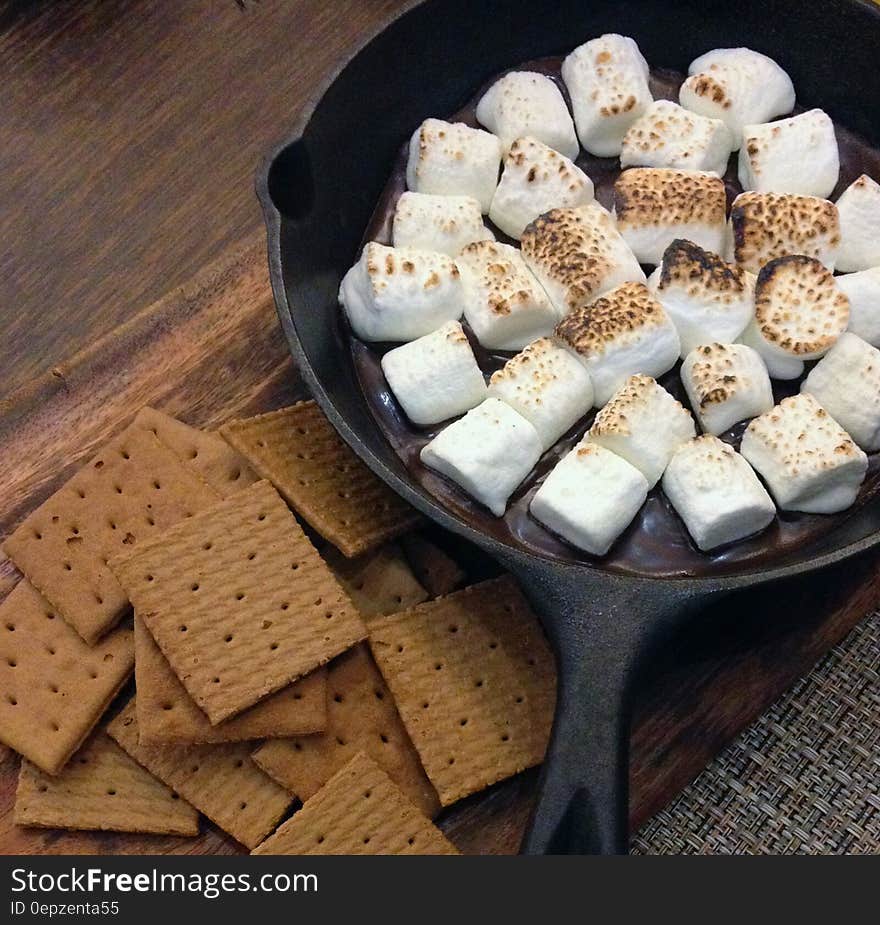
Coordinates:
column 212, row 350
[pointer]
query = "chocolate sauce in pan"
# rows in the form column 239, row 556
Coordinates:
column 656, row 543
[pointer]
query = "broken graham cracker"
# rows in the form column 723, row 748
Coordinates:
column 361, row 717
column 54, row 687
column 475, row 684
column 168, row 715
column 298, row 450
column 134, row 488
column 208, row 454
column 358, row 811
column 377, row 582
column 102, row 789
column 220, row 781
column 436, row 571
column 239, row 601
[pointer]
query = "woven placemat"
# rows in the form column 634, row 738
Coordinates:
column 803, row 779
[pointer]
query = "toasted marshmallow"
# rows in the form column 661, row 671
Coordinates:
column 444, row 224
column 504, row 304
column 488, row 453
column 863, row 291
column 800, row 310
column 453, row 159
column 807, row 459
column 797, row 155
column 655, row 206
column 778, row 367
column 435, row 377
column 859, row 210
column 525, row 103
column 669, row 136
column 577, row 254
column 400, row 293
column 535, row 180
column 738, row 86
column 716, row 493
column 708, row 300
column 619, row 335
column 590, row 498
column 725, row 384
column 607, row 80
column 643, row 424
column 770, row 225
column 846, row 383
column 547, row 386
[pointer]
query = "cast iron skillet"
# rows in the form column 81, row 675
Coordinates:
column 318, row 191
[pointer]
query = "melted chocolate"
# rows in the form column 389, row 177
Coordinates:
column 656, row 543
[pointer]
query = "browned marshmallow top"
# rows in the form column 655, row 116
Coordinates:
column 658, row 196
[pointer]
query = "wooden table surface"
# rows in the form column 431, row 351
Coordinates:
column 130, row 133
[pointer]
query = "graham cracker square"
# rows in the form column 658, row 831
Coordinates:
column 102, row 789
column 298, row 450
column 361, row 717
column 167, row 715
column 53, row 687
column 475, row 684
column 358, row 811
column 133, row 489
column 220, row 781
column 239, row 602
column 434, row 569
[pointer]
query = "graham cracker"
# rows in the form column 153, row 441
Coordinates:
column 475, row 683
column 358, row 811
column 168, row 715
column 208, row 454
column 102, row 789
column 53, row 687
column 377, row 582
column 298, row 450
column 239, row 601
column 436, row 571
column 361, row 717
column 133, row 489
column 221, row 781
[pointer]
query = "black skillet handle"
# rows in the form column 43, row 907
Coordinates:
column 600, row 627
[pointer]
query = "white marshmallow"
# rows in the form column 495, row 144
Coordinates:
column 716, row 493
column 453, row 159
column 654, row 206
column 547, row 386
column 535, row 180
column 623, row 333
column 607, row 80
column 644, row 425
column 738, row 86
column 590, row 498
column 578, row 254
column 770, row 225
column 400, row 293
column 799, row 309
column 504, row 304
column 435, row 377
column 525, row 103
column 778, row 367
column 708, row 300
column 863, row 291
column 444, row 224
column 846, row 383
column 488, row 453
column 806, row 458
column 797, row 155
column 725, row 384
column 669, row 136
column 859, row 210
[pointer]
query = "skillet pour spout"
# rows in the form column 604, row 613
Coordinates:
column 318, row 192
